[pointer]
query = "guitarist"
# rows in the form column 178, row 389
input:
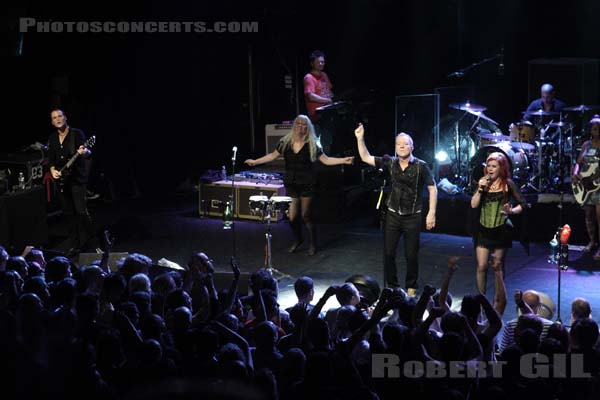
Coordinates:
column 63, row 143
column 589, row 157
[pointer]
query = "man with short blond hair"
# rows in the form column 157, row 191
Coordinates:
column 404, row 205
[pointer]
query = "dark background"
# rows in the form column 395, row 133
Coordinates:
column 166, row 107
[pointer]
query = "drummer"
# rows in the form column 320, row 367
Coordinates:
column 300, row 150
column 547, row 102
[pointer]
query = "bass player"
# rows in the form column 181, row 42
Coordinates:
column 585, row 185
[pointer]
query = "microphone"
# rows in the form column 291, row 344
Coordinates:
column 234, row 153
column 482, row 188
column 501, row 63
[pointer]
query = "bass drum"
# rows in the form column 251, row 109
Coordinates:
column 518, row 162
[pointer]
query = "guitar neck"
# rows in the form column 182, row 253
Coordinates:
column 88, row 144
column 69, row 163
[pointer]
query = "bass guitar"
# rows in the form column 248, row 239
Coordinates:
column 587, row 184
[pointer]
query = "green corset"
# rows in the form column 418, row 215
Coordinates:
column 491, row 207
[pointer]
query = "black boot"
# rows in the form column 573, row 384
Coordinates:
column 590, row 225
column 297, row 233
column 312, row 238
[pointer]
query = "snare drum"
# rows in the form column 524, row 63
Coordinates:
column 258, row 203
column 281, row 203
column 522, row 131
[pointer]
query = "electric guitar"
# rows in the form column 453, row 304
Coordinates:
column 588, row 184
column 66, row 169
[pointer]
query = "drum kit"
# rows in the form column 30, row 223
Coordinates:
column 541, row 148
column 265, row 207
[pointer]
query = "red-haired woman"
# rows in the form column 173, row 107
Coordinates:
column 587, row 165
column 495, row 198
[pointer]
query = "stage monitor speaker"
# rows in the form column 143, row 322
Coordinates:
column 213, row 198
column 23, row 219
column 574, row 79
column 274, row 132
column 223, row 281
column 113, row 259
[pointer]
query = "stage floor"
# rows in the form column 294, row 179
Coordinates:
column 172, row 228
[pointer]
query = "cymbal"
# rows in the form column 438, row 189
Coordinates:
column 482, row 116
column 581, row 108
column 558, row 124
column 540, row 112
column 494, row 136
column 522, row 123
column 468, row 107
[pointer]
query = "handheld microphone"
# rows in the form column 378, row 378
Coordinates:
column 234, row 153
column 488, row 178
column 501, row 63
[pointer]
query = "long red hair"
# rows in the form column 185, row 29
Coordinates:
column 503, row 166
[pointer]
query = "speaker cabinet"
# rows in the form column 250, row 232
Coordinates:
column 213, row 197
column 23, row 219
column 27, row 163
column 274, row 132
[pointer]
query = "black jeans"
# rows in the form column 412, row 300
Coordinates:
column 73, row 204
column 396, row 226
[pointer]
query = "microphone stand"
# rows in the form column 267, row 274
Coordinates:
column 563, row 265
column 463, row 71
column 233, row 204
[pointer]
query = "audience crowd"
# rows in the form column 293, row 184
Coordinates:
column 142, row 331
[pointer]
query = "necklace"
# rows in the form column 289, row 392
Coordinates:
column 495, row 186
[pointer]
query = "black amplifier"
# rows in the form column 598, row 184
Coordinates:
column 30, row 163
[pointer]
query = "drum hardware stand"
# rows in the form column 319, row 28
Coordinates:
column 457, row 147
column 536, row 177
column 268, row 255
column 571, row 150
column 561, row 152
column 541, row 154
column 460, row 173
